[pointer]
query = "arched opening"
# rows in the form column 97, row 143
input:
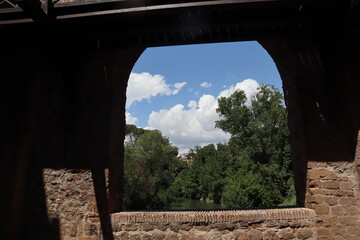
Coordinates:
column 176, row 90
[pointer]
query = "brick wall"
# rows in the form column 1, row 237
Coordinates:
column 71, row 199
column 294, row 223
column 332, row 211
column 333, row 191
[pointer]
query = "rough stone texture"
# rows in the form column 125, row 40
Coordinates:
column 213, row 232
column 71, row 199
column 333, row 192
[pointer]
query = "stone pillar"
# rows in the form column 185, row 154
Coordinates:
column 63, row 107
column 321, row 80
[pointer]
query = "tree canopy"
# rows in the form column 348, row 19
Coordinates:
column 252, row 170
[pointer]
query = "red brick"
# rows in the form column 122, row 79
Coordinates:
column 331, row 200
column 346, row 185
column 317, row 198
column 345, row 193
column 330, row 185
column 348, row 201
column 321, row 174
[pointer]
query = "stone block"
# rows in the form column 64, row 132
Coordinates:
column 175, row 227
column 330, row 185
column 338, row 210
column 93, row 217
column 158, row 235
column 228, row 236
column 205, row 228
column 147, row 227
column 224, row 226
column 321, row 209
column 304, row 233
column 326, row 221
column 162, row 227
column 354, row 230
column 269, row 235
column 130, row 227
column 295, row 224
column 286, row 233
column 189, row 236
column 148, row 237
column 242, row 236
column 284, row 224
column 354, row 210
column 216, row 237
column 135, row 237
column 171, row 237
column 317, row 198
column 91, row 229
column 124, row 236
column 346, row 185
column 331, row 200
column 348, row 201
column 255, row 234
column 323, row 232
column 186, row 227
column 348, row 220
column 339, row 231
column 321, row 174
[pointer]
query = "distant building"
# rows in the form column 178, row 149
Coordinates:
column 186, row 158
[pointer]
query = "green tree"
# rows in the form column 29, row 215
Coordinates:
column 259, row 132
column 151, row 165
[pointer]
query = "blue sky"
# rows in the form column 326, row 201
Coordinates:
column 174, row 89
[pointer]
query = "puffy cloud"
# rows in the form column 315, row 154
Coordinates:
column 187, row 128
column 205, row 85
column 192, row 104
column 249, row 86
column 130, row 119
column 145, row 86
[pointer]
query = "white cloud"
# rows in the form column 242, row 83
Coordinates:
column 145, row 86
column 178, row 86
column 187, row 128
column 130, row 119
column 192, row 104
column 205, row 85
column 249, row 86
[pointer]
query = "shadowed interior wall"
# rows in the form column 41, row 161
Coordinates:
column 61, row 107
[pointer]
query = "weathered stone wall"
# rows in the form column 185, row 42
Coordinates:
column 294, row 223
column 71, row 199
column 333, row 191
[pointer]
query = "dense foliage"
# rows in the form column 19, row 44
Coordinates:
column 151, row 165
column 252, row 170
